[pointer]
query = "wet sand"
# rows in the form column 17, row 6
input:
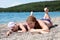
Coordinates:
column 54, row 33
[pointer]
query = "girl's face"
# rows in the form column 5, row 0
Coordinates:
column 15, row 28
column 31, row 24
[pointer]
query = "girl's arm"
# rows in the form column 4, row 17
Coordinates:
column 22, row 27
column 9, row 32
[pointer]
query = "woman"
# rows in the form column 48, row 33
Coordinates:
column 42, row 25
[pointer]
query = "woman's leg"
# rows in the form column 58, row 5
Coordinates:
column 31, row 14
column 46, row 16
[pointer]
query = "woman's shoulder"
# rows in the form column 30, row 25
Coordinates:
column 39, row 20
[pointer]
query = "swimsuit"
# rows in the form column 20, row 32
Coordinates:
column 24, row 26
column 47, row 20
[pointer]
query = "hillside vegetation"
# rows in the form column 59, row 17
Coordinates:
column 36, row 6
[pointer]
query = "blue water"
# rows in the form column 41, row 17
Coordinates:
column 6, row 17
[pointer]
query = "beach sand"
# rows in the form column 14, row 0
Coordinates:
column 54, row 33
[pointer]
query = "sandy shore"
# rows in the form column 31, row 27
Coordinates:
column 54, row 33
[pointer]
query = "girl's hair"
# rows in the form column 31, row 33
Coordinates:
column 33, row 19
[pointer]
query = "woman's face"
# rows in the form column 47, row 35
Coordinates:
column 31, row 24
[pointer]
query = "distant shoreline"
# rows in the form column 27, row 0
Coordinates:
column 34, row 11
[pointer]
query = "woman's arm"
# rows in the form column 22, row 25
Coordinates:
column 28, row 27
column 43, row 26
column 38, row 31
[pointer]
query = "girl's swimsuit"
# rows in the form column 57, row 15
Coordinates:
column 24, row 26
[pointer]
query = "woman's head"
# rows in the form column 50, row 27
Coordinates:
column 31, row 20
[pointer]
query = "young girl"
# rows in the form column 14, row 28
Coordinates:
column 14, row 27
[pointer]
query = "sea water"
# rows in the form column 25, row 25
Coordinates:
column 6, row 17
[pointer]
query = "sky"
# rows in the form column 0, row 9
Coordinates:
column 10, row 3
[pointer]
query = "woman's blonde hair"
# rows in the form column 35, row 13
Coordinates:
column 33, row 19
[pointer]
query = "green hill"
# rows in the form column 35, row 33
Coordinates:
column 36, row 6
